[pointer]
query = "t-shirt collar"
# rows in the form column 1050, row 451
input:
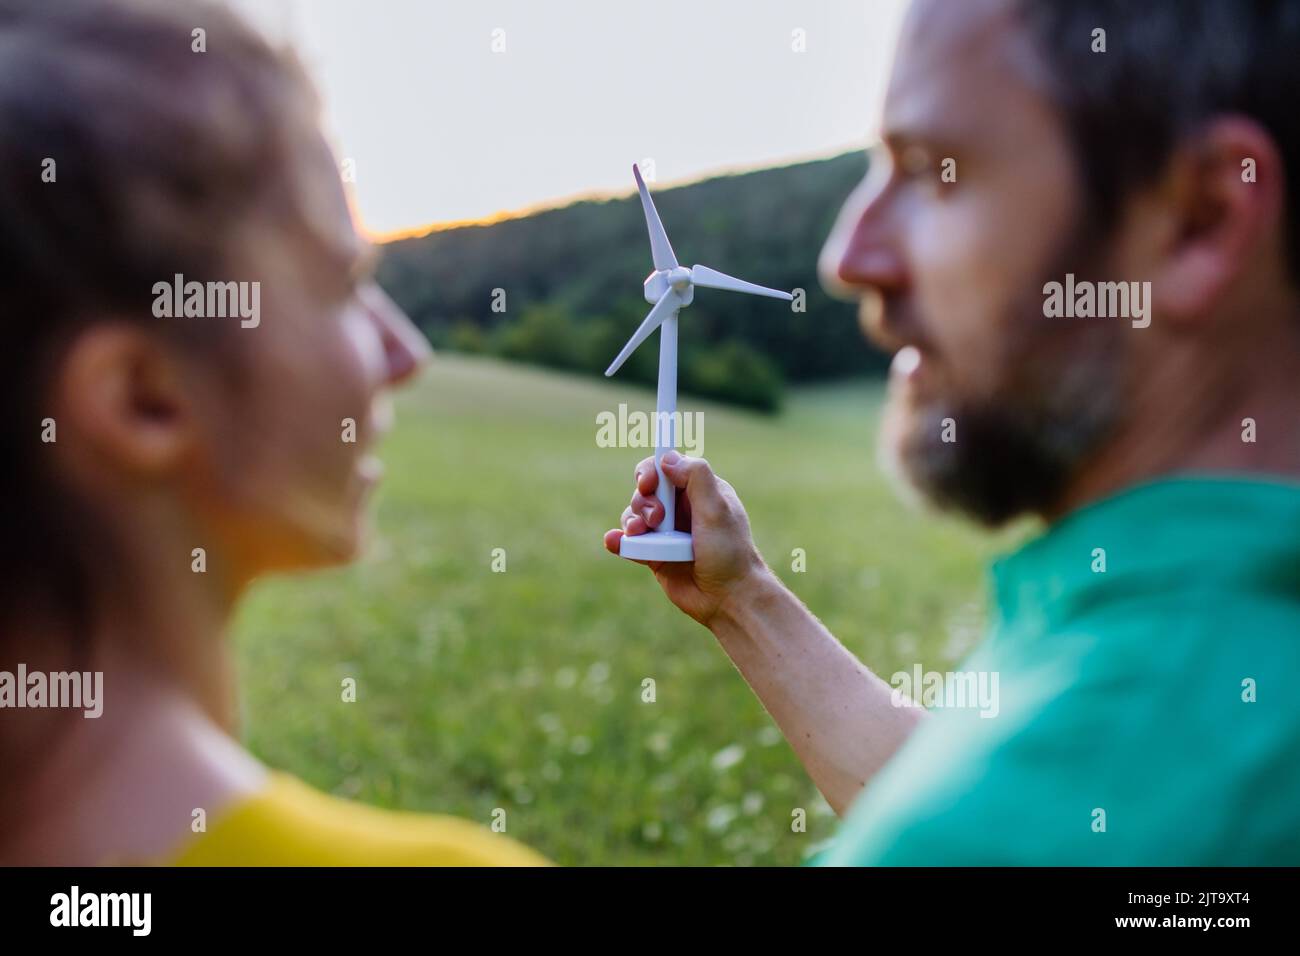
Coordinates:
column 1187, row 531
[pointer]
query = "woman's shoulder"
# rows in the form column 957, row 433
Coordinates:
column 289, row 823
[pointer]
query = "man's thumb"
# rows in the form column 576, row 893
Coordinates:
column 693, row 474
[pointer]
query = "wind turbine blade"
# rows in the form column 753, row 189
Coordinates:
column 713, row 279
column 667, row 303
column 660, row 249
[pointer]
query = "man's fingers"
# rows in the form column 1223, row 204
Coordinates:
column 645, row 512
column 647, row 478
column 649, row 508
column 633, row 523
column 694, row 475
column 612, row 539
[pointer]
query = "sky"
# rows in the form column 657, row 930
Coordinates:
column 454, row 110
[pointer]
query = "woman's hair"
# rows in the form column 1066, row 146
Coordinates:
column 136, row 138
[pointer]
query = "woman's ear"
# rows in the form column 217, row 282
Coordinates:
column 119, row 391
column 1224, row 200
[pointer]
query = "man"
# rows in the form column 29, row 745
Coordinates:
column 1036, row 155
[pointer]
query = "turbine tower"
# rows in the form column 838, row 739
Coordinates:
column 670, row 287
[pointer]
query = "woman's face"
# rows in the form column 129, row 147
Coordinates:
column 288, row 444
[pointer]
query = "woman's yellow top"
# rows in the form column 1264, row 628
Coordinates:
column 291, row 824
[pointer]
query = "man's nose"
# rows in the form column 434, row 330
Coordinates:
column 406, row 350
column 862, row 251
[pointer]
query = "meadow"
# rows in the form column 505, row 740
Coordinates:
column 521, row 690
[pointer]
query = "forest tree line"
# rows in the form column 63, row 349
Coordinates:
column 562, row 287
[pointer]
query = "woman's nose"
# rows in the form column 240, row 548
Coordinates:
column 406, row 350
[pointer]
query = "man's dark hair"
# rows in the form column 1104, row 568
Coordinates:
column 1169, row 65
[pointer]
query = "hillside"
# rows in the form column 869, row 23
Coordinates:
column 572, row 280
column 520, row 685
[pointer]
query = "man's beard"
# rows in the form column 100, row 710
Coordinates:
column 1016, row 452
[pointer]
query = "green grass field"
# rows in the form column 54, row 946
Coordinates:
column 523, row 690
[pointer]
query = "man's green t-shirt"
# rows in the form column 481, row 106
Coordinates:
column 1147, row 655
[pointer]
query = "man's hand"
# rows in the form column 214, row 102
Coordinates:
column 840, row 718
column 707, row 507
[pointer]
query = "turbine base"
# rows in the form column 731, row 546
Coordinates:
column 657, row 546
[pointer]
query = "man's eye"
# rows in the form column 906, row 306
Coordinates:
column 927, row 171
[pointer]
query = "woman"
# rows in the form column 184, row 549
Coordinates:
column 194, row 373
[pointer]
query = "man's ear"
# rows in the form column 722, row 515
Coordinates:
column 1224, row 200
column 120, row 391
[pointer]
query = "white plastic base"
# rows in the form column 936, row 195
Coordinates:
column 657, row 546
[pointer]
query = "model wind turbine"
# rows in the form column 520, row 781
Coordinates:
column 671, row 288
